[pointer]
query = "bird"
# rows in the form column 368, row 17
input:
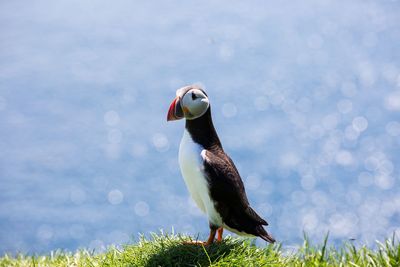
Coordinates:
column 210, row 175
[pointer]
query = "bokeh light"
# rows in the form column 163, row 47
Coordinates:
column 111, row 118
column 141, row 208
column 305, row 97
column 160, row 142
column 115, row 197
column 229, row 110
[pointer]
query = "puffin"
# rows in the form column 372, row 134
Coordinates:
column 209, row 173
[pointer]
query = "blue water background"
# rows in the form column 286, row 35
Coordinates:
column 305, row 97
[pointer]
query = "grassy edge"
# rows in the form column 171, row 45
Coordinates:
column 169, row 250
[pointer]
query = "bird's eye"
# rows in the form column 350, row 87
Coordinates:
column 194, row 96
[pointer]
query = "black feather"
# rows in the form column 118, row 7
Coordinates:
column 225, row 184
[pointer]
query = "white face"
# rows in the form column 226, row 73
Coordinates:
column 194, row 104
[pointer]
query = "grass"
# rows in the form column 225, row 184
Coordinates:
column 169, row 250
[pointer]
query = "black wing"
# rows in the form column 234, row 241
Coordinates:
column 227, row 190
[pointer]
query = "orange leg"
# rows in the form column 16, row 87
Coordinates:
column 209, row 241
column 219, row 236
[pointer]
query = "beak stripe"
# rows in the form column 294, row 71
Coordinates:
column 175, row 111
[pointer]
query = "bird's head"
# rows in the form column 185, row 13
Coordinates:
column 191, row 102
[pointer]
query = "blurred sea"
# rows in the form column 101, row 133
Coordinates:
column 305, row 97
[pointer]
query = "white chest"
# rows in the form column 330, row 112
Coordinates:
column 191, row 164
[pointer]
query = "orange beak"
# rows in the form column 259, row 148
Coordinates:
column 175, row 111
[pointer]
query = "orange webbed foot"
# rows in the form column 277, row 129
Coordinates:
column 197, row 243
column 209, row 241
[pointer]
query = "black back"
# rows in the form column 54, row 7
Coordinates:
column 225, row 184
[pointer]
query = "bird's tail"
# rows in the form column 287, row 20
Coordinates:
column 264, row 234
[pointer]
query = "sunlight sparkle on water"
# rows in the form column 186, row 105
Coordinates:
column 111, row 118
column 115, row 197
column 142, row 208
